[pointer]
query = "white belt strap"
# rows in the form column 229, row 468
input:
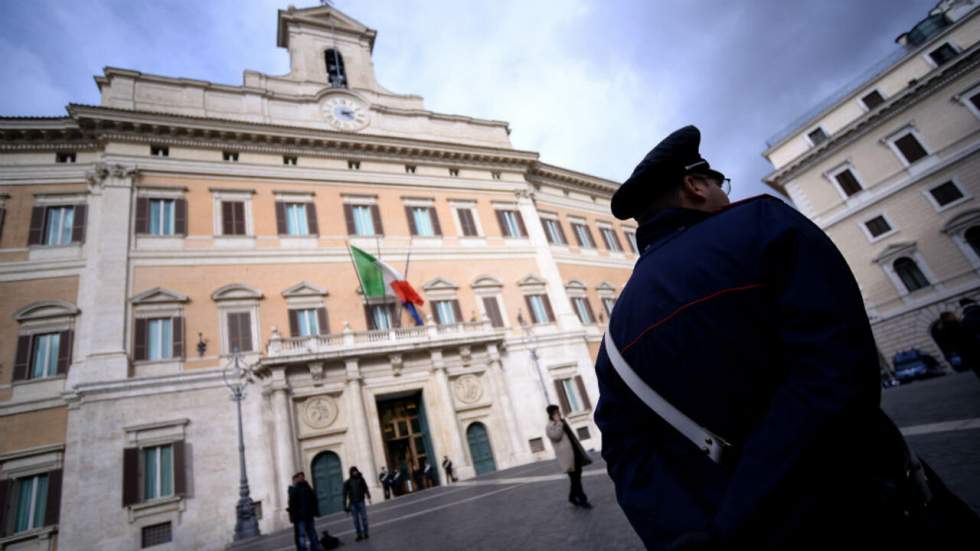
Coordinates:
column 704, row 439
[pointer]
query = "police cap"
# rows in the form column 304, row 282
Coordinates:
column 664, row 165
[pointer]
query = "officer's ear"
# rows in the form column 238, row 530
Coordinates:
column 693, row 190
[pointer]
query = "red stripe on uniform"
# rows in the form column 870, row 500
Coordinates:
column 688, row 305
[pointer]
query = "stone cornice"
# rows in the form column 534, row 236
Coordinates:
column 857, row 129
column 549, row 174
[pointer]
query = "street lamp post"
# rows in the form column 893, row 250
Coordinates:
column 246, row 524
column 529, row 338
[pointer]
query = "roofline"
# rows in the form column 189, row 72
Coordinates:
column 910, row 54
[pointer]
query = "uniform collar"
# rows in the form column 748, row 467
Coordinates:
column 666, row 222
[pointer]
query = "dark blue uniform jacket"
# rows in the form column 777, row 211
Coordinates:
column 750, row 322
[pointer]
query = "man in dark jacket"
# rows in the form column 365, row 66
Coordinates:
column 303, row 509
column 747, row 319
column 355, row 492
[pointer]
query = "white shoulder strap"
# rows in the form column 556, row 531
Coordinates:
column 704, row 439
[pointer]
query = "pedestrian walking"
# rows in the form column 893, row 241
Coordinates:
column 429, row 474
column 447, row 466
column 571, row 455
column 738, row 381
column 303, row 509
column 395, row 482
column 355, row 492
column 384, row 477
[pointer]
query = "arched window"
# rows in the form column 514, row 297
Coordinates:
column 972, row 236
column 911, row 275
column 336, row 75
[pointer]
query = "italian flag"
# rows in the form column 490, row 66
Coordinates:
column 377, row 277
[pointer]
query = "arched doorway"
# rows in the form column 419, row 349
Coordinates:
column 328, row 481
column 480, row 451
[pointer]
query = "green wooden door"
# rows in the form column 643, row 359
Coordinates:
column 328, row 480
column 480, row 450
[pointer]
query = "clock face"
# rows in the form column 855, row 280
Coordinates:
column 345, row 113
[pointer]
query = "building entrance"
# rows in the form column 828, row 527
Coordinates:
column 405, row 432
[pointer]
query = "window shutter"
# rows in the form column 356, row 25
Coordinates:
column 562, row 398
column 321, row 318
column 615, row 236
column 435, row 221
column 227, row 218
column 605, row 239
column 180, row 216
column 178, row 336
column 376, row 217
column 6, row 503
column 369, row 317
column 36, row 234
column 578, row 237
column 281, row 227
column 394, row 313
column 547, row 234
column 561, row 232
column 547, row 307
column 293, row 323
column 588, row 234
column 22, row 359
column 142, row 215
column 53, row 505
column 78, row 224
column 64, row 351
column 245, row 331
column 457, row 311
column 139, row 340
column 629, row 241
column 493, row 311
column 435, row 312
column 238, row 209
column 530, row 310
column 520, row 223
column 588, row 307
column 349, row 218
column 131, row 476
column 411, row 221
column 180, row 468
column 466, row 222
column 311, row 222
column 501, row 223
column 582, row 393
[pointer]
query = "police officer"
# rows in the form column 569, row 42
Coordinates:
column 746, row 319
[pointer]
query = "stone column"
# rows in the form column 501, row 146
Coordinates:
column 285, row 440
column 565, row 317
column 358, row 424
column 455, row 441
column 103, row 286
column 519, row 451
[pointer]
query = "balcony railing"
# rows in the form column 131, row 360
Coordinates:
column 349, row 343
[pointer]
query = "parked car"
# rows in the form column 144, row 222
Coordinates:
column 915, row 364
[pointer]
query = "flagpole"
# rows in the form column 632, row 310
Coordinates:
column 398, row 318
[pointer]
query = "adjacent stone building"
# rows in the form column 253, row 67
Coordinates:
column 145, row 239
column 889, row 168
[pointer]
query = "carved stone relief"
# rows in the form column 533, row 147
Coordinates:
column 319, row 412
column 468, row 389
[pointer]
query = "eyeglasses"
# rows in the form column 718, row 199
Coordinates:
column 725, row 183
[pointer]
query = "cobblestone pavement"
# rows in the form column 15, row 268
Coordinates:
column 525, row 508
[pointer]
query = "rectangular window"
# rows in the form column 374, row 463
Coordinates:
column 817, row 136
column 64, row 157
column 540, row 308
column 942, row 54
column 611, row 239
column 878, row 226
column 156, row 534
column 296, row 221
column 553, row 231
column 537, row 445
column 975, row 100
column 847, row 182
column 631, row 239
column 511, row 224
column 162, row 213
column 289, row 160
column 32, row 496
column 946, row 193
column 583, row 310
column 159, row 151
column 363, row 219
column 607, row 304
column 446, row 312
column 230, row 156
column 381, row 317
column 160, row 339
column 422, row 217
column 583, row 236
column 158, row 472
column 583, row 433
column 239, row 332
column 467, row 222
column 307, row 322
column 45, row 355
column 233, row 218
column 492, row 309
column 572, row 394
column 872, row 99
column 58, row 225
column 910, row 147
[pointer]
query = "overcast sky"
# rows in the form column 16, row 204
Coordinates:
column 590, row 85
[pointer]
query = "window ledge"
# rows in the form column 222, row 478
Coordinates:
column 579, row 415
column 299, row 241
column 159, row 242
column 35, row 534
column 26, row 382
column 55, row 252
column 156, row 507
column 952, row 204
